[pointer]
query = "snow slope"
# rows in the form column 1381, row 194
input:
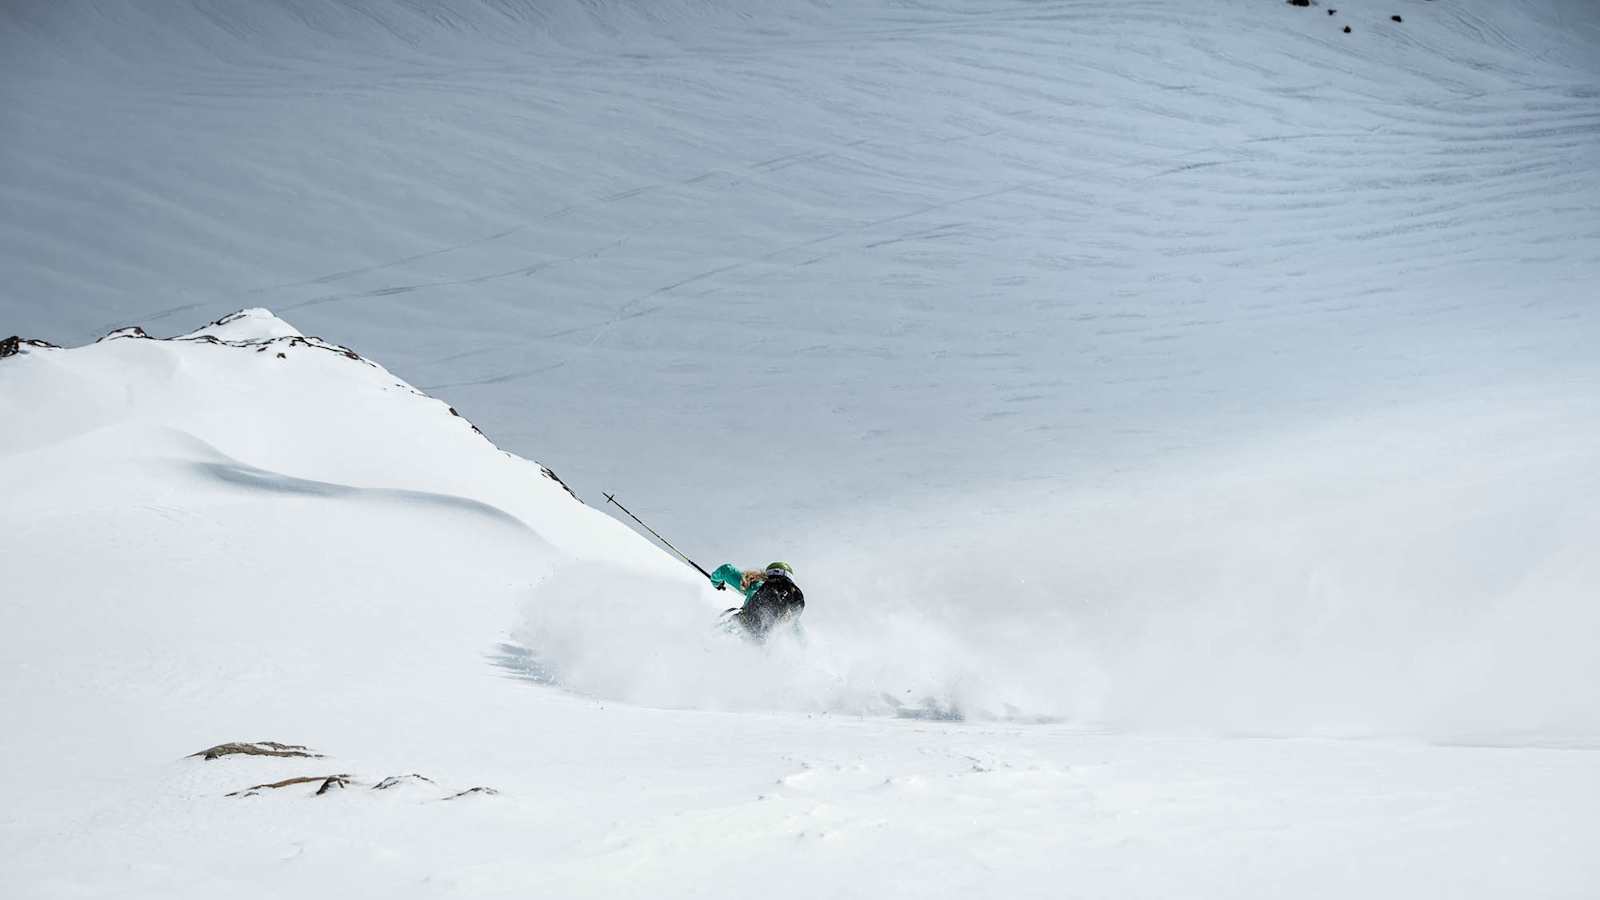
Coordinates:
column 1156, row 328
column 959, row 245
column 1165, row 391
column 208, row 541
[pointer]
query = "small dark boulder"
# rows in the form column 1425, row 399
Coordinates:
column 1397, row 18
column 1347, row 29
column 10, row 346
column 1299, row 2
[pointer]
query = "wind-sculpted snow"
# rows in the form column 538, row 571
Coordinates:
column 250, row 401
column 937, row 248
column 1120, row 377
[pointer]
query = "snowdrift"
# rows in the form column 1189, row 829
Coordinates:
column 266, row 401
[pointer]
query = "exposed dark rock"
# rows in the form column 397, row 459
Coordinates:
column 326, row 783
column 1299, row 2
column 260, row 345
column 14, row 345
column 1397, row 18
column 394, row 781
column 230, row 317
column 1332, row 11
column 132, row 331
column 329, row 782
column 474, row 428
column 1347, row 29
column 557, row 479
column 277, row 345
column 256, row 748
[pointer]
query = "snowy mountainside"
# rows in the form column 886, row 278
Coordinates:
column 1095, row 335
column 1181, row 417
column 242, row 530
column 250, row 414
column 250, row 387
column 242, row 521
column 207, row 542
column 1060, row 239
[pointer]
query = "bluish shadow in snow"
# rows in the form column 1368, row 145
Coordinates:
column 520, row 663
column 242, row 475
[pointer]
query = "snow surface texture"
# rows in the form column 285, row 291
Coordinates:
column 1050, row 341
column 1172, row 371
column 247, row 534
column 931, row 248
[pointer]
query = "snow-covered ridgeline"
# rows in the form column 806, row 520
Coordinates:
column 246, row 528
column 251, row 388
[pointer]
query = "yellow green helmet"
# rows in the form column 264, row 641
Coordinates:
column 780, row 565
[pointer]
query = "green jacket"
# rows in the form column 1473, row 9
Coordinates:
column 730, row 575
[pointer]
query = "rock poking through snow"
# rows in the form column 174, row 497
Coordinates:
column 256, row 748
column 395, row 781
column 14, row 345
column 329, row 782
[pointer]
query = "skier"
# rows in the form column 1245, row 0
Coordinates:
column 770, row 596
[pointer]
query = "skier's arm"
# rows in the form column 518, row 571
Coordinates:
column 726, row 575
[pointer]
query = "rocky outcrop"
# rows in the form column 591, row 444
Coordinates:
column 329, row 782
column 256, row 748
column 14, row 345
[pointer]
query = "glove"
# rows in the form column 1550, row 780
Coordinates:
column 720, row 586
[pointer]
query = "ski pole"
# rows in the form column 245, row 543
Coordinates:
column 613, row 500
